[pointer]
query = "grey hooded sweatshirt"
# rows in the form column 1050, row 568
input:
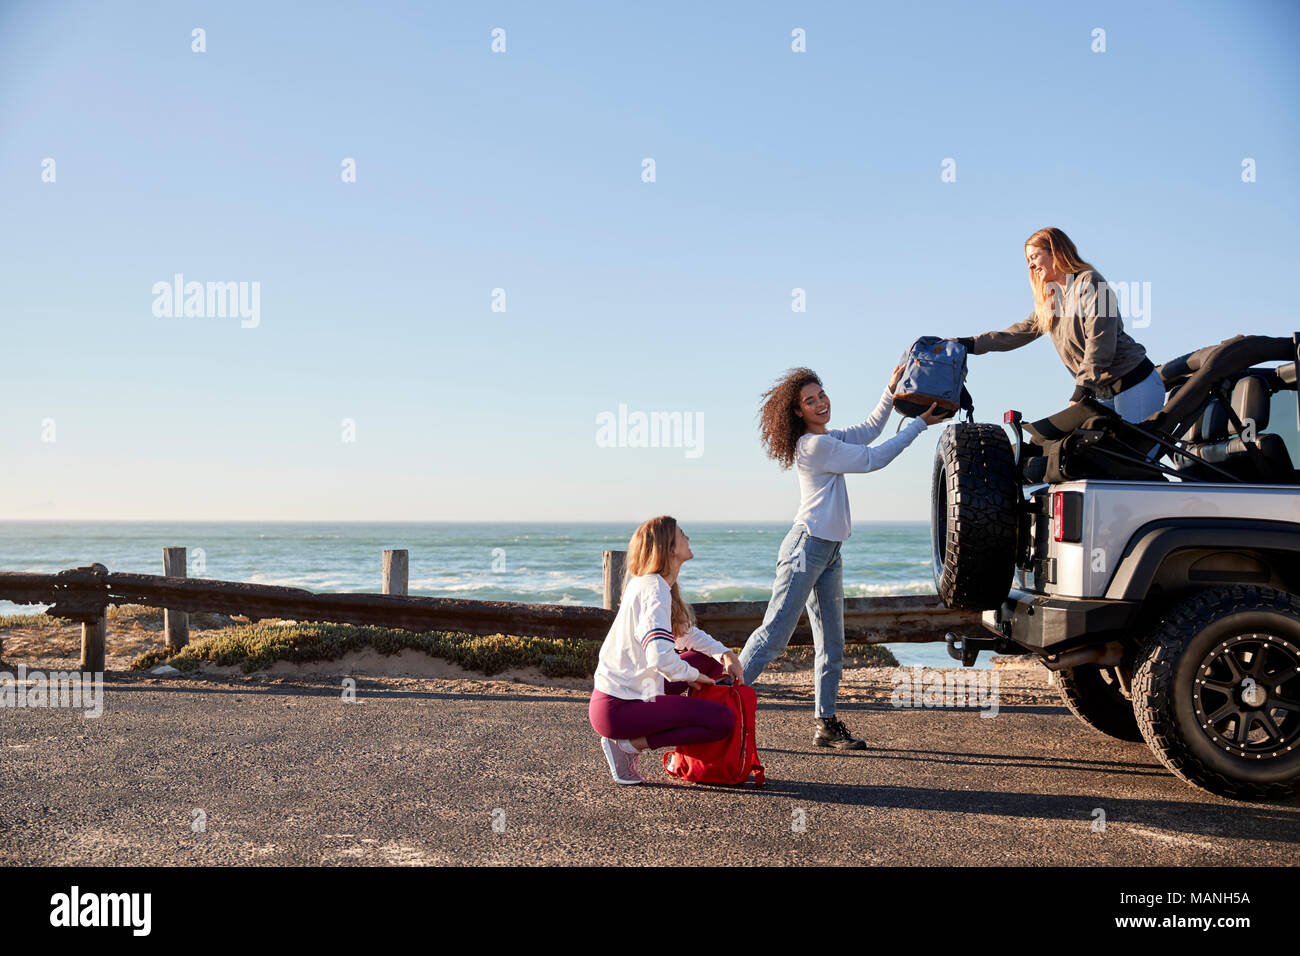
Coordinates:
column 1089, row 336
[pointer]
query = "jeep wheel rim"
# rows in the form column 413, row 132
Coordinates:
column 1247, row 696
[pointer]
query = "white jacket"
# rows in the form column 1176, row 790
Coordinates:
column 823, row 460
column 639, row 652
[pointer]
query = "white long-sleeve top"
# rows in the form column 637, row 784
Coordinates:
column 639, row 652
column 823, row 460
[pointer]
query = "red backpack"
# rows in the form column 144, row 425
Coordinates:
column 729, row 760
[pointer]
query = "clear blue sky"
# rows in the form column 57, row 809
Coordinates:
column 522, row 171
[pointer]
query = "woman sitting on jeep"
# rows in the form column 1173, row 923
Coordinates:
column 1074, row 305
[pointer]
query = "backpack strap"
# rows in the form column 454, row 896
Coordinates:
column 755, row 766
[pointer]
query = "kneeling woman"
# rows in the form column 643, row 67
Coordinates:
column 638, row 701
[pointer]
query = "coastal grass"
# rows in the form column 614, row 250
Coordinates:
column 131, row 629
column 257, row 646
column 223, row 640
column 855, row 655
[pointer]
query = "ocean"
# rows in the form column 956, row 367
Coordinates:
column 531, row 562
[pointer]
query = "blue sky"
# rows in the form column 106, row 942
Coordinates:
column 522, row 171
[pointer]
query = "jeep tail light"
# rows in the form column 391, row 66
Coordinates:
column 1067, row 516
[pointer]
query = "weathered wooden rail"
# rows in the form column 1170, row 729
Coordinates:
column 84, row 594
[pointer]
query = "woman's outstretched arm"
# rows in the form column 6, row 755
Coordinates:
column 867, row 431
column 697, row 640
column 1012, row 337
column 828, row 453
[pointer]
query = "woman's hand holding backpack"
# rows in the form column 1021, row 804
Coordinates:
column 931, row 415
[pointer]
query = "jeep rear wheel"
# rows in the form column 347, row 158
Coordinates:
column 1218, row 692
column 974, row 499
column 1096, row 696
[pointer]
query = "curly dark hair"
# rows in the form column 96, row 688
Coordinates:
column 779, row 426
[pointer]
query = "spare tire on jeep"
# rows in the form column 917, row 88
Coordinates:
column 974, row 502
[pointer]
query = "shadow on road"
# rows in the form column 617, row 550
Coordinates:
column 1017, row 761
column 1232, row 821
column 1275, row 822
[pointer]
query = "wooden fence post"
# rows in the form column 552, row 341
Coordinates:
column 396, row 567
column 613, row 566
column 92, row 645
column 176, row 624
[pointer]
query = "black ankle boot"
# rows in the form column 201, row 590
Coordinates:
column 831, row 732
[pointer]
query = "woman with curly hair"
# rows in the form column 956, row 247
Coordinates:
column 793, row 429
column 638, row 702
column 1077, row 309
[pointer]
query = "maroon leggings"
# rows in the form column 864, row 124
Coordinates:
column 669, row 720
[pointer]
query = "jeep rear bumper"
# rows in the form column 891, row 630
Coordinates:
column 1044, row 622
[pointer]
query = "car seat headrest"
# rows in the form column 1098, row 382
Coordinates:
column 1250, row 401
column 1213, row 423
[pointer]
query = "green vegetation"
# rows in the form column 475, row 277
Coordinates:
column 254, row 647
column 32, row 622
column 855, row 655
column 151, row 618
column 223, row 640
column 257, row 646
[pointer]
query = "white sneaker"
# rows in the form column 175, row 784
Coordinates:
column 622, row 764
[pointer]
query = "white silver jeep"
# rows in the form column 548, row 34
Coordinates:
column 1153, row 567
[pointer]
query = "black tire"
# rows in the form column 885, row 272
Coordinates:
column 1193, row 704
column 1096, row 696
column 974, row 497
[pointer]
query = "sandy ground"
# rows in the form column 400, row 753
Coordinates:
column 407, row 663
column 59, row 648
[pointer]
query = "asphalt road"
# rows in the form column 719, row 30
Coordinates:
column 423, row 771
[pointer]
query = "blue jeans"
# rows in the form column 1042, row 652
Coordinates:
column 808, row 572
column 1134, row 404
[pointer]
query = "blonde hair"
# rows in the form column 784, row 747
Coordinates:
column 1048, row 299
column 649, row 552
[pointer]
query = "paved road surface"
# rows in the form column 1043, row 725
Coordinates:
column 418, row 771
